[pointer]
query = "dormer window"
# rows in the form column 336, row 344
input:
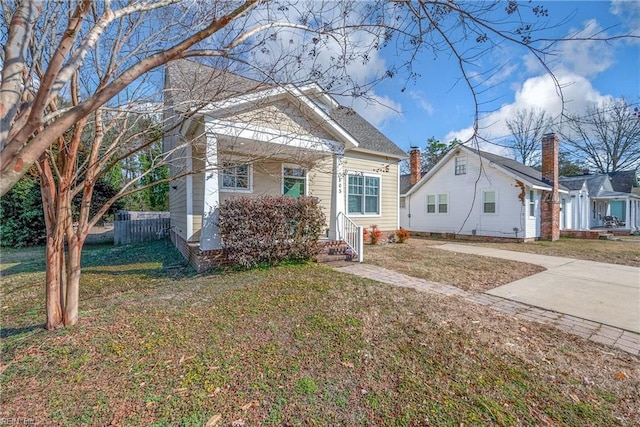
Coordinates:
column 461, row 165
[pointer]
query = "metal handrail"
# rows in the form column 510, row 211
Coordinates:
column 350, row 233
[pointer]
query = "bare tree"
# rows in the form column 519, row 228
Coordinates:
column 67, row 66
column 527, row 127
column 606, row 136
column 47, row 42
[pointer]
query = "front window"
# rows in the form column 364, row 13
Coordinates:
column 236, row 177
column 364, row 195
column 294, row 181
column 437, row 203
column 461, row 165
column 489, row 202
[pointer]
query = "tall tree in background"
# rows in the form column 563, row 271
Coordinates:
column 434, row 151
column 607, row 136
column 527, row 127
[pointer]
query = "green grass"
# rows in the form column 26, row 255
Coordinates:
column 297, row 345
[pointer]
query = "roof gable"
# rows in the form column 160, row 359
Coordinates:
column 509, row 167
column 190, row 85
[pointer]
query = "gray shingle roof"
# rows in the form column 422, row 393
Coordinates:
column 623, row 180
column 190, row 84
column 405, row 183
column 573, row 183
column 368, row 137
column 594, row 182
column 525, row 172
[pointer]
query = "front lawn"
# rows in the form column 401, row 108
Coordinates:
column 293, row 345
column 420, row 258
column 625, row 250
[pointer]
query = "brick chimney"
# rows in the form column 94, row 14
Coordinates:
column 414, row 165
column 550, row 204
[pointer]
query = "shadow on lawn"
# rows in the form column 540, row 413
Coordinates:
column 10, row 332
column 107, row 255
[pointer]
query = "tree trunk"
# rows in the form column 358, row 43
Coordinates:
column 72, row 297
column 54, row 255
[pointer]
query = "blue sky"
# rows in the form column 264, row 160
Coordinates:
column 440, row 105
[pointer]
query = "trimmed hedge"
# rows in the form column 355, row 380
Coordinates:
column 270, row 229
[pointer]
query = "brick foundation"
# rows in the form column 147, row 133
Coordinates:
column 199, row 260
column 467, row 237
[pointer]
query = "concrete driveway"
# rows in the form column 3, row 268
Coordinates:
column 604, row 293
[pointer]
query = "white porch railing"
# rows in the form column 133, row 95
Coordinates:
column 351, row 233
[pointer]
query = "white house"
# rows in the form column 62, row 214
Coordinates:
column 227, row 135
column 593, row 198
column 471, row 192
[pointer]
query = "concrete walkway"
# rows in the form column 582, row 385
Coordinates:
column 603, row 293
column 625, row 340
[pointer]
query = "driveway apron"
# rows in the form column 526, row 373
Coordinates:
column 605, row 293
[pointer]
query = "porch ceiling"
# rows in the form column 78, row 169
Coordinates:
column 254, row 151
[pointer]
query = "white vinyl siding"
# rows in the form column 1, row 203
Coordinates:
column 467, row 197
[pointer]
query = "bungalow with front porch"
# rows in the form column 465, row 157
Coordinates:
column 228, row 136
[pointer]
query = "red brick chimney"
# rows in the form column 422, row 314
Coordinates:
column 550, row 206
column 414, row 165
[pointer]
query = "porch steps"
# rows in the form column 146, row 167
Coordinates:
column 335, row 253
column 606, row 236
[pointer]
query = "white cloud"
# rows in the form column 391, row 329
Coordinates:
column 629, row 14
column 540, row 92
column 376, row 109
column 585, row 57
column 421, row 101
column 343, row 65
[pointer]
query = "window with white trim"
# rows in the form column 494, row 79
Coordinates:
column 294, row 181
column 363, row 194
column 461, row 165
column 236, row 178
column 489, row 202
column 437, row 203
column 532, row 203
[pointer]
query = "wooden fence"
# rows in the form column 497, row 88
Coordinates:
column 137, row 227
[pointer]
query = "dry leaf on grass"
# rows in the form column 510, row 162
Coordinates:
column 213, row 421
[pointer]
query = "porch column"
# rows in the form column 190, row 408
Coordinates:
column 338, row 195
column 210, row 234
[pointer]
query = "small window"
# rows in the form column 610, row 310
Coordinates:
column 532, row 203
column 489, row 202
column 431, row 203
column 443, row 206
column 437, row 203
column 294, row 181
column 402, row 202
column 236, row 177
column 461, row 165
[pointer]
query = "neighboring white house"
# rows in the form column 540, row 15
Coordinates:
column 594, row 197
column 228, row 135
column 471, row 192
